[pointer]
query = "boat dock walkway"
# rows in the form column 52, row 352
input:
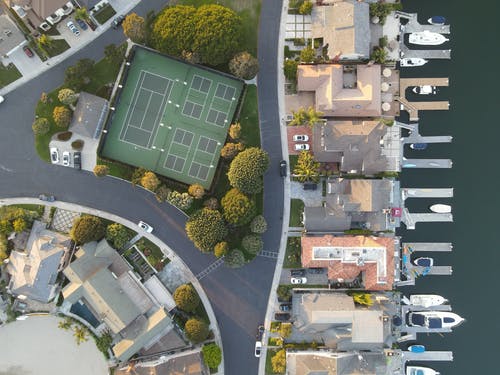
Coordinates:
column 427, row 163
column 414, row 107
column 427, row 54
column 426, row 193
column 411, row 219
column 427, row 356
column 413, row 26
column 417, row 138
column 428, row 246
column 404, row 83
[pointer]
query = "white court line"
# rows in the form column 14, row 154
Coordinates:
column 145, row 112
column 163, row 105
column 135, row 94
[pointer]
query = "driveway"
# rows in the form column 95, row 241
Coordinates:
column 22, row 62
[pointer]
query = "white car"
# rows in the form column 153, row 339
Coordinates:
column 301, row 147
column 298, row 280
column 148, row 228
column 1, row 99
column 65, row 159
column 54, row 155
column 258, row 348
column 73, row 28
column 300, row 138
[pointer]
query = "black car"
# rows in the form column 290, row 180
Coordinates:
column 285, row 307
column 310, row 186
column 118, row 21
column 82, row 24
column 316, row 270
column 283, row 168
column 300, row 272
column 260, row 332
column 77, row 160
column 46, row 198
column 282, row 317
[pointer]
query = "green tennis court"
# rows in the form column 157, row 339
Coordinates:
column 172, row 117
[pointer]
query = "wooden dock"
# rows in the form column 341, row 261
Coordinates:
column 413, row 26
column 428, row 356
column 429, row 246
column 427, row 193
column 414, row 107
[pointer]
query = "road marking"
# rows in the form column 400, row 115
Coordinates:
column 268, row 254
column 5, row 168
column 210, row 268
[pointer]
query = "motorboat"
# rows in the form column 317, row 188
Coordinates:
column 427, row 38
column 412, row 61
column 419, row 370
column 437, row 20
column 427, row 300
column 418, row 146
column 416, row 348
column 424, row 90
column 434, row 319
column 440, row 208
column 424, row 262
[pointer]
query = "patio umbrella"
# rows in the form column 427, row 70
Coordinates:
column 386, row 106
column 384, row 86
column 386, row 72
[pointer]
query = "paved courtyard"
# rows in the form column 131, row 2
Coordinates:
column 24, row 349
column 63, row 220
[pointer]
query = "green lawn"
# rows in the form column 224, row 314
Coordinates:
column 249, row 118
column 104, row 14
column 296, row 210
column 8, row 74
column 117, row 169
column 57, row 47
column 31, row 207
column 293, row 162
column 269, row 367
column 292, row 255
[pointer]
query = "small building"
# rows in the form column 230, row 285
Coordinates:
column 348, row 257
column 36, row 11
column 364, row 147
column 33, row 272
column 344, row 26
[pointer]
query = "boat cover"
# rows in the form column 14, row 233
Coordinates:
column 447, row 319
column 418, row 319
column 438, row 19
column 435, row 323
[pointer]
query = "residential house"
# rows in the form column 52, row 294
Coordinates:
column 33, row 272
column 348, row 257
column 344, row 26
column 104, row 282
column 333, row 363
column 34, row 12
column 356, row 203
column 364, row 147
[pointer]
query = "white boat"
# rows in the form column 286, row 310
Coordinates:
column 412, row 61
column 419, row 370
column 434, row 319
column 427, row 300
column 440, row 208
column 424, row 90
column 427, row 38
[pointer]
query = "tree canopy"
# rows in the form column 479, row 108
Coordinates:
column 307, row 55
column 258, row 224
column 306, row 169
column 196, row 191
column 87, row 228
column 221, row 249
column 252, row 243
column 246, row 170
column 173, row 29
column 278, row 362
column 205, row 228
column 237, row 208
column 62, row 116
column 234, row 259
column 40, row 126
column 77, row 75
column 243, row 65
column 118, row 235
column 101, row 170
column 150, row 181
column 134, row 28
column 196, row 330
column 212, row 355
column 186, row 298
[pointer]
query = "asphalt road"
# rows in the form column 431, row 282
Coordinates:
column 238, row 297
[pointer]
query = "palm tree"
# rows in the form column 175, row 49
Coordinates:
column 363, row 299
column 313, row 116
column 82, row 14
column 306, row 169
column 299, row 117
column 65, row 324
column 80, row 335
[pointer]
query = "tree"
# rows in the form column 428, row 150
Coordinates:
column 196, row 191
column 306, row 169
column 235, row 131
column 118, row 235
column 211, row 203
column 162, row 193
column 134, row 28
column 40, row 126
column 4, row 254
column 101, row 170
column 246, row 170
column 150, row 181
column 362, row 298
column 186, row 298
column 252, row 243
column 137, row 175
column 221, row 249
column 19, row 225
column 205, row 228
column 173, row 30
column 304, row 116
column 45, row 40
column 218, row 34
column 87, row 228
column 234, row 259
column 82, row 14
column 67, row 96
column 196, row 330
column 115, row 54
column 290, row 69
column 80, row 334
column 306, row 7
column 65, row 324
column 258, row 224
column 307, row 55
column 191, row 57
column 379, row 55
column 285, row 330
column 180, row 200
column 5, row 226
column 230, row 150
column 62, row 116
column 76, row 76
column 278, row 362
column 243, row 65
column 237, row 208
column 283, row 293
column 212, row 355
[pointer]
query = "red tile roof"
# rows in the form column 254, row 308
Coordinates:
column 340, row 270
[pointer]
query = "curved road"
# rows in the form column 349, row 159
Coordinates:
column 238, row 297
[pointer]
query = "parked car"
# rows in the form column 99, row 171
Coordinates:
column 283, row 168
column 300, row 138
column 73, row 28
column 301, row 147
column 65, row 159
column 148, row 228
column 260, row 332
column 258, row 348
column 77, row 160
column 54, row 155
column 282, row 317
column 46, row 198
column 316, row 270
column 298, row 280
column 299, row 272
column 310, row 186
column 1, row 99
column 28, row 51
column 82, row 24
column 118, row 21
column 285, row 307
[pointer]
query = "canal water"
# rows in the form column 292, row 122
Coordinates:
column 475, row 127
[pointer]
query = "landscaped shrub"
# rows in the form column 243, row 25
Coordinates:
column 87, row 228
column 162, row 193
column 67, row 96
column 77, row 145
column 150, row 181
column 234, row 259
column 290, row 69
column 278, row 362
column 64, row 136
column 306, row 7
column 243, row 65
column 186, row 298
column 211, row 203
column 180, row 200
column 212, row 355
column 196, row 330
column 221, row 249
column 101, row 170
column 230, row 150
column 237, row 208
column 252, row 243
column 62, row 116
column 307, row 55
column 235, row 131
column 196, row 191
column 40, row 126
column 206, row 228
column 246, row 170
column 118, row 235
column 258, row 224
